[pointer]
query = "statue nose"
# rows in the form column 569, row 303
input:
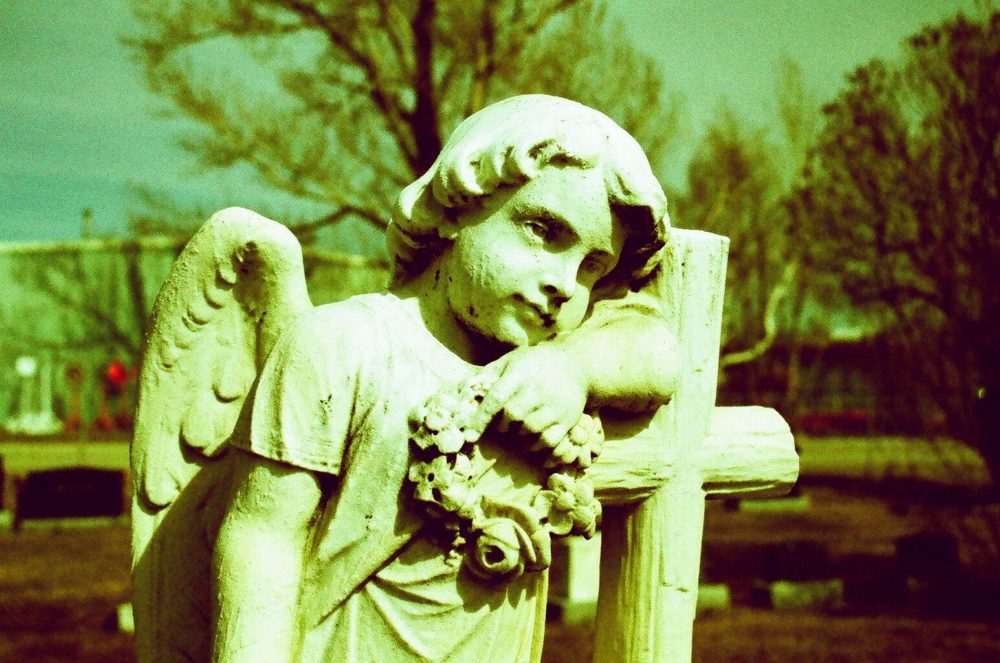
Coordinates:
column 556, row 296
column 559, row 289
column 559, row 282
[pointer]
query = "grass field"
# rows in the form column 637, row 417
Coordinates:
column 59, row 588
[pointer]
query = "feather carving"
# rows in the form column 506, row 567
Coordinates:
column 234, row 288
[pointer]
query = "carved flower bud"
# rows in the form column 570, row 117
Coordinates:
column 449, row 441
column 587, row 436
column 569, row 505
column 474, row 388
column 445, row 484
column 440, row 413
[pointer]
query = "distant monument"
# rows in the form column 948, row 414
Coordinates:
column 32, row 412
column 380, row 479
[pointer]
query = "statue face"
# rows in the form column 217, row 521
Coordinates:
column 523, row 263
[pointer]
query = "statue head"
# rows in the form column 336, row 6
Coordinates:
column 508, row 144
column 534, row 204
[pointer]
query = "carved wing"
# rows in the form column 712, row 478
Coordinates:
column 234, row 288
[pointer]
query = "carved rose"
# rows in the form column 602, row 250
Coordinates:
column 497, row 550
column 586, row 439
column 473, row 390
column 579, row 448
column 439, row 424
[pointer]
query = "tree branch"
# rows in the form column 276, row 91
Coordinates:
column 774, row 300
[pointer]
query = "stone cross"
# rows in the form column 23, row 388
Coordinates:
column 655, row 474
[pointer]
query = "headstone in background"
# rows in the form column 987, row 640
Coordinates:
column 791, row 503
column 807, row 595
column 873, row 581
column 32, row 413
column 124, row 618
column 798, row 575
column 933, row 573
column 74, row 492
column 574, row 578
column 801, row 560
column 713, row 597
column 928, row 555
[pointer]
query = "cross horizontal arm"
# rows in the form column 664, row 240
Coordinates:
column 747, row 452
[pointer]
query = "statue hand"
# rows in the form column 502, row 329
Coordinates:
column 540, row 392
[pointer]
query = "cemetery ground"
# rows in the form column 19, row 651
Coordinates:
column 59, row 587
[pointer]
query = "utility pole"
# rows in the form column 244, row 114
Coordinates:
column 87, row 223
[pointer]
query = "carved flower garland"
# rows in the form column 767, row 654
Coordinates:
column 496, row 536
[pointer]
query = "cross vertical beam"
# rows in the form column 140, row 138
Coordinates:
column 651, row 551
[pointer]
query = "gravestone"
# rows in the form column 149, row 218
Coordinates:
column 928, row 555
column 798, row 560
column 72, row 493
column 575, row 579
column 33, row 414
column 873, row 581
column 74, row 413
column 713, row 597
column 931, row 565
column 806, row 595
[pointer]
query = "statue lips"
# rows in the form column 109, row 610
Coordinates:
column 539, row 313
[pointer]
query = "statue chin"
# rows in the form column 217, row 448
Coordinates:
column 501, row 339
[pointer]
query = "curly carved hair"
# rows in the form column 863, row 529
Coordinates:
column 507, row 144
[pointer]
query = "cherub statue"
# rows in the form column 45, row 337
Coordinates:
column 376, row 480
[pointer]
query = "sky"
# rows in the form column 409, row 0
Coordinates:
column 77, row 125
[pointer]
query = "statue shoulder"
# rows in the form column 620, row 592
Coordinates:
column 346, row 327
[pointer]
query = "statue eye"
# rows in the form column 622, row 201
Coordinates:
column 593, row 265
column 540, row 229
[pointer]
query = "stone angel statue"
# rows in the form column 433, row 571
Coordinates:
column 379, row 479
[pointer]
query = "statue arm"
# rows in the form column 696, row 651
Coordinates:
column 623, row 356
column 627, row 359
column 258, row 560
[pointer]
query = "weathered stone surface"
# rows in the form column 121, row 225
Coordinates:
column 382, row 478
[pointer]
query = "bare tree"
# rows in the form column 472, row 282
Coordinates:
column 336, row 106
column 93, row 295
column 902, row 195
column 342, row 103
column 739, row 182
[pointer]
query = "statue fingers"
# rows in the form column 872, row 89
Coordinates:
column 550, row 437
column 494, row 403
column 540, row 419
column 525, row 408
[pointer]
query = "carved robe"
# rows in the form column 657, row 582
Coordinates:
column 335, row 397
